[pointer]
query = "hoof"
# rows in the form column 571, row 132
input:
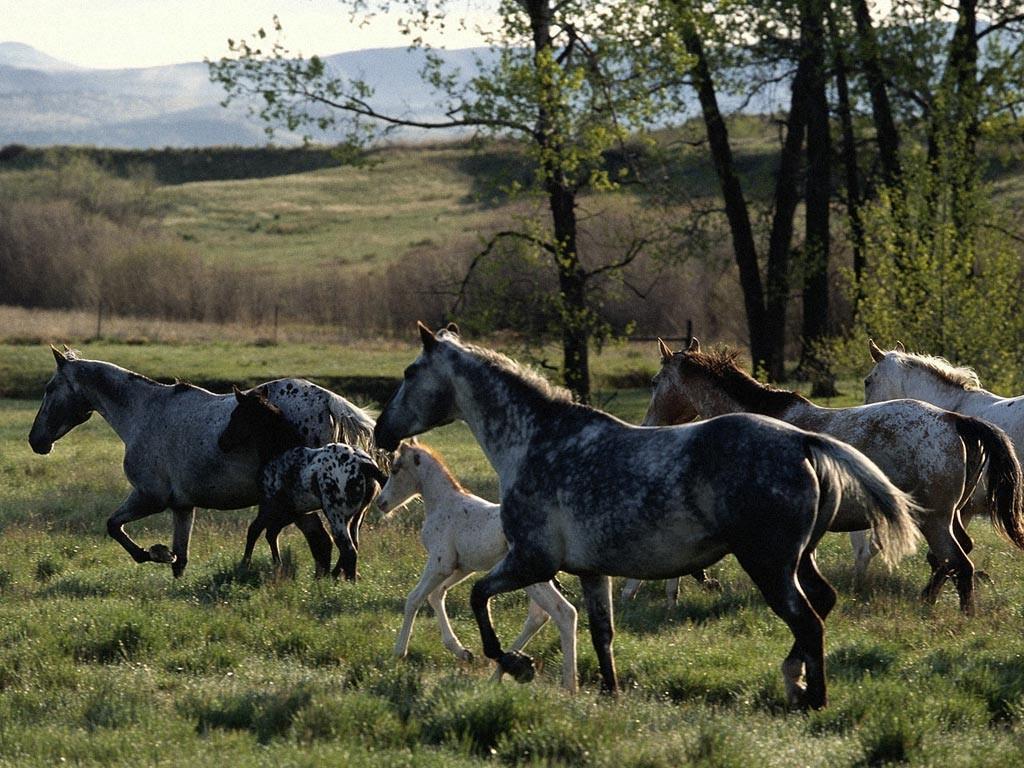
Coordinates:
column 519, row 665
column 160, row 553
column 982, row 577
column 465, row 655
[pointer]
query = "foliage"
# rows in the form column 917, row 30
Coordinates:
column 938, row 293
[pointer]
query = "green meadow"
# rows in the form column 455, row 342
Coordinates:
column 105, row 662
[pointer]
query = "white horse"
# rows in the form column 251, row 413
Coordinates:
column 898, row 373
column 462, row 534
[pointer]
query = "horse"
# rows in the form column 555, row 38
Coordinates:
column 295, row 480
column 462, row 534
column 170, row 436
column 898, row 373
column 587, row 493
column 937, row 455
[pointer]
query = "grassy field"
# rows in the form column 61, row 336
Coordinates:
column 104, row 662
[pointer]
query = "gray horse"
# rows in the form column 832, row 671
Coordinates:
column 170, row 434
column 584, row 492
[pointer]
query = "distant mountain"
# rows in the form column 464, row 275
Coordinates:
column 26, row 57
column 44, row 101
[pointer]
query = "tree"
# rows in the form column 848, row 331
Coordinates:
column 766, row 300
column 573, row 79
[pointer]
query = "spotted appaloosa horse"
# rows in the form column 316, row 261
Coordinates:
column 462, row 534
column 170, row 436
column 295, row 480
column 934, row 454
column 583, row 492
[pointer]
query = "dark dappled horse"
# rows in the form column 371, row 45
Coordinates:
column 936, row 455
column 584, row 492
column 295, row 480
column 170, row 434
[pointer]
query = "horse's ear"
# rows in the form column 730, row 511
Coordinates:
column 876, row 353
column 239, row 394
column 900, row 347
column 427, row 336
column 59, row 356
column 452, row 328
column 694, row 345
column 666, row 353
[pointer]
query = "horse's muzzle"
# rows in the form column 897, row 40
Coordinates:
column 42, row 447
column 384, row 439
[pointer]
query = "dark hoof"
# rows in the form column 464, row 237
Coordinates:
column 982, row 577
column 178, row 568
column 466, row 655
column 517, row 664
column 161, row 553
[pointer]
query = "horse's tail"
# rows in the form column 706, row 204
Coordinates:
column 1004, row 480
column 844, row 471
column 355, row 428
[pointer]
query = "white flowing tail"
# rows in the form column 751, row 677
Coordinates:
column 843, row 471
column 355, row 428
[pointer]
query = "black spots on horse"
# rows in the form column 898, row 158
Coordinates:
column 416, row 459
column 354, row 491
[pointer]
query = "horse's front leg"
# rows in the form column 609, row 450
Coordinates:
column 545, row 599
column 136, row 507
column 597, row 591
column 184, row 517
column 512, row 573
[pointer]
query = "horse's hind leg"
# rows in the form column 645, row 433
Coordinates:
column 436, row 600
column 781, row 587
column 597, row 593
column 183, row 521
column 947, row 559
column 864, row 549
column 319, row 541
column 136, row 507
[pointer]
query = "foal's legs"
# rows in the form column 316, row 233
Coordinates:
column 431, row 579
column 436, row 600
column 545, row 599
column 184, row 517
column 136, row 507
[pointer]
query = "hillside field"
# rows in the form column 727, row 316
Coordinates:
column 105, row 662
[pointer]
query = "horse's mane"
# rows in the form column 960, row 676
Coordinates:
column 962, row 376
column 445, row 472
column 720, row 365
column 524, row 373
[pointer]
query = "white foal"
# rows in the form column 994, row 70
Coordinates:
column 462, row 534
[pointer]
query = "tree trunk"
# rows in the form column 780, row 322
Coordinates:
column 886, row 133
column 818, row 197
column 572, row 281
column 787, row 196
column 744, row 250
column 854, row 194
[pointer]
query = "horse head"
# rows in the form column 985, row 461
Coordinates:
column 404, row 481
column 669, row 403
column 425, row 398
column 256, row 421
column 886, row 378
column 64, row 405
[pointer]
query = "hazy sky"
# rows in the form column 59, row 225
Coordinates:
column 140, row 33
